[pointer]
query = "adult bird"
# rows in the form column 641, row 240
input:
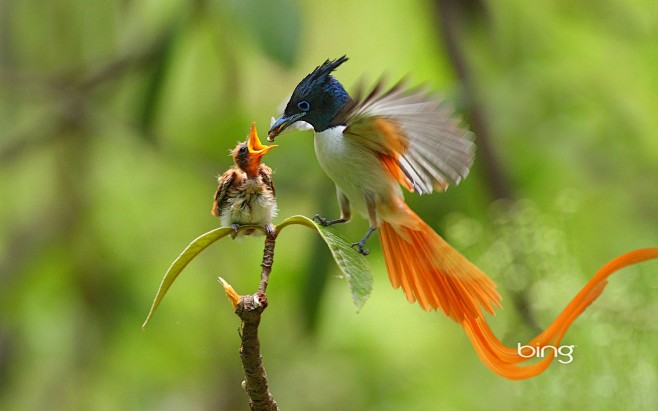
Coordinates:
column 369, row 147
column 245, row 192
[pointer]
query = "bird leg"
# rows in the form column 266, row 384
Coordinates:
column 371, row 204
column 325, row 223
column 345, row 212
column 361, row 245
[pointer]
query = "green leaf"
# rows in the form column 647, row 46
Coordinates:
column 354, row 266
column 191, row 251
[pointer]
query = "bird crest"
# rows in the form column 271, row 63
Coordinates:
column 319, row 77
column 315, row 101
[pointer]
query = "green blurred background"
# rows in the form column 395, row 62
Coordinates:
column 116, row 116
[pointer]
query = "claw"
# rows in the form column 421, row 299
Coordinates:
column 270, row 230
column 362, row 244
column 325, row 223
column 235, row 228
column 361, row 248
column 320, row 220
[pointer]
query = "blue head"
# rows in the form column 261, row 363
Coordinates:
column 316, row 100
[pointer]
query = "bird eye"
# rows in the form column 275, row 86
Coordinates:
column 243, row 150
column 303, row 105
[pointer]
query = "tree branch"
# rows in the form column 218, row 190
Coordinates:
column 452, row 17
column 266, row 265
column 249, row 309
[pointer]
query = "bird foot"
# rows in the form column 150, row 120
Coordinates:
column 326, row 223
column 235, row 228
column 360, row 246
column 270, row 230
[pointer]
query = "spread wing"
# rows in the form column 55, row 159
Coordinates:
column 226, row 181
column 415, row 134
column 266, row 174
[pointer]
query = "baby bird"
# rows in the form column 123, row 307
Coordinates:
column 245, row 194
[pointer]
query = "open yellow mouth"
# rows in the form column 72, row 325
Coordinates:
column 253, row 142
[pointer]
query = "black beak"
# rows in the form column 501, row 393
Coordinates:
column 281, row 124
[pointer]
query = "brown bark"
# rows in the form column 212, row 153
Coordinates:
column 249, row 309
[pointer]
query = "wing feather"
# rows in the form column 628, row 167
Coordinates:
column 226, row 181
column 417, row 130
column 266, row 175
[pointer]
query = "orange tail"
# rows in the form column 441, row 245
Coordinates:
column 433, row 273
column 506, row 361
column 437, row 276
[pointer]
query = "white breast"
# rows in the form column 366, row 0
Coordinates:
column 251, row 205
column 354, row 169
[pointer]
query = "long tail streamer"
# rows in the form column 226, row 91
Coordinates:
column 507, row 361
